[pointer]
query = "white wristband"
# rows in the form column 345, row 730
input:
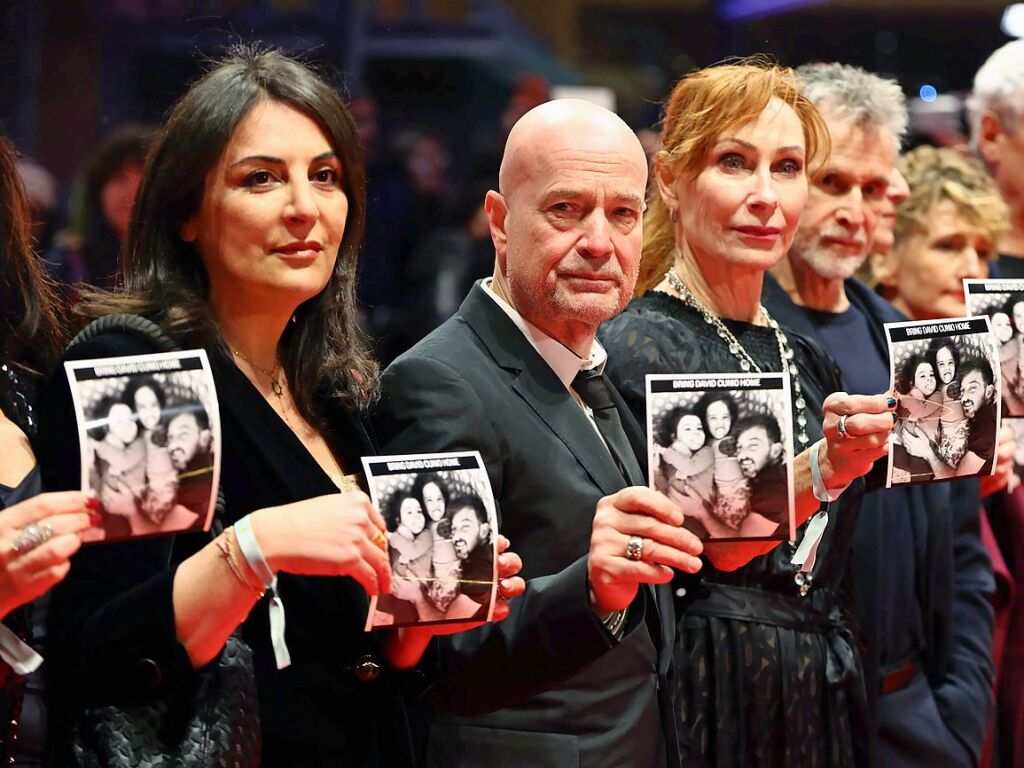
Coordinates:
column 20, row 656
column 821, row 493
column 254, row 557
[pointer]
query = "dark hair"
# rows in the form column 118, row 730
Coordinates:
column 30, row 336
column 753, row 420
column 665, row 430
column 1011, row 301
column 126, row 145
column 323, row 351
column 393, row 511
column 135, row 385
column 979, row 364
column 195, row 410
column 908, row 371
column 466, row 501
column 947, row 342
column 422, row 481
column 705, row 401
column 100, row 411
column 100, row 243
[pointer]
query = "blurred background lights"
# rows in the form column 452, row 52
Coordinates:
column 1013, row 20
column 928, row 92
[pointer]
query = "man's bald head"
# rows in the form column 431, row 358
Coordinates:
column 555, row 126
column 567, row 224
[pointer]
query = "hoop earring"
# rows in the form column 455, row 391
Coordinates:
column 672, row 215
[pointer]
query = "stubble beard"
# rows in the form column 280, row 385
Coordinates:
column 827, row 264
column 587, row 310
column 561, row 306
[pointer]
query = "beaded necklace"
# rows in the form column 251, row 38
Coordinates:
column 746, row 361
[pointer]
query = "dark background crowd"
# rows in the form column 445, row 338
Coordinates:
column 434, row 86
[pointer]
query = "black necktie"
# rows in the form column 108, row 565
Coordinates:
column 594, row 390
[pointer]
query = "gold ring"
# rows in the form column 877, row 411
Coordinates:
column 380, row 540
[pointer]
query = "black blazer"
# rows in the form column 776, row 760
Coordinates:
column 952, row 569
column 477, row 383
column 112, row 631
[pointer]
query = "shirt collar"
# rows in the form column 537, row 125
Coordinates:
column 562, row 360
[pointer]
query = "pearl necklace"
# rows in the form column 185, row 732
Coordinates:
column 746, row 361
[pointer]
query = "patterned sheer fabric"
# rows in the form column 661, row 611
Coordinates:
column 764, row 676
column 21, row 741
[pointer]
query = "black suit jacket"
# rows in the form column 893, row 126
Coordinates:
column 477, row 383
column 953, row 573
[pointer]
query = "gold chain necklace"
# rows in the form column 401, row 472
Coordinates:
column 273, row 374
column 340, row 479
column 275, row 384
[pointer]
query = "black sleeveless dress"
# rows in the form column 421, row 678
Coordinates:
column 763, row 675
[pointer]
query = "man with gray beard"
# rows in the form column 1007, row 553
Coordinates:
column 921, row 575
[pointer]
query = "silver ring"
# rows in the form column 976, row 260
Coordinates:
column 634, row 548
column 31, row 536
column 841, row 428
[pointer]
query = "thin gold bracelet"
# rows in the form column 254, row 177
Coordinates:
column 224, row 545
column 241, row 566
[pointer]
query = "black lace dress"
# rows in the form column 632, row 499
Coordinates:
column 763, row 675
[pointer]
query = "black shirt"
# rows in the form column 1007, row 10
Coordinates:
column 848, row 338
column 196, row 484
column 769, row 493
column 982, row 438
column 1007, row 267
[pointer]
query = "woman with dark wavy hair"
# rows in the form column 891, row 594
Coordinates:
column 38, row 533
column 244, row 241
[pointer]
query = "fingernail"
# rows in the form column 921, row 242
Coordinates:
column 95, row 518
column 892, row 402
column 93, row 503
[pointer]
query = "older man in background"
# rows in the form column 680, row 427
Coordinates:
column 995, row 110
column 921, row 575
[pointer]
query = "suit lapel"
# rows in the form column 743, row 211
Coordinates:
column 565, row 418
column 540, row 388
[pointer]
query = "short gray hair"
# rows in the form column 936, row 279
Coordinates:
column 857, row 96
column 999, row 87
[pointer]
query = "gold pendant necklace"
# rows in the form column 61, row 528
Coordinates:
column 273, row 375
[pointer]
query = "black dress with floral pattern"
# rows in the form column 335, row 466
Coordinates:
column 764, row 676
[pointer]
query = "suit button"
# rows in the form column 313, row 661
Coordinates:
column 367, row 668
column 149, row 672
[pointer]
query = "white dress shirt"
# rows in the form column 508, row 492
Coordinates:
column 563, row 361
